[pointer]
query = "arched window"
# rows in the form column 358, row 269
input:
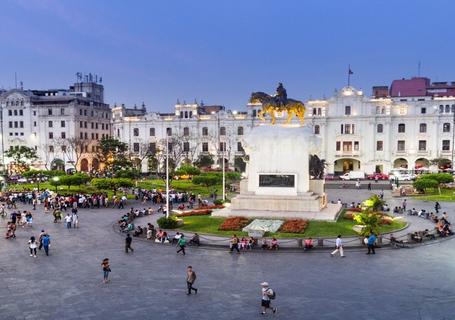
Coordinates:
column 401, row 128
column 169, row 131
column 446, row 127
column 186, row 131
column 136, row 132
column 423, row 128
column 240, row 131
column 317, row 129
column 222, row 131
column 205, row 131
column 447, row 108
column 380, row 128
column 441, row 108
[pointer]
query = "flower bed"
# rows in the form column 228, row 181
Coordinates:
column 195, row 213
column 234, row 224
column 294, row 226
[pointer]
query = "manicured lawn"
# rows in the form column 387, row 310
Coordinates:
column 208, row 224
column 433, row 195
column 180, row 185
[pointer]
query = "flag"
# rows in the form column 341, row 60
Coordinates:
column 350, row 71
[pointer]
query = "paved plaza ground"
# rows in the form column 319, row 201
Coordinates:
column 150, row 283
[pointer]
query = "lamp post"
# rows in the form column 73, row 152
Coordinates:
column 453, row 134
column 167, row 174
column 221, row 152
column 56, row 180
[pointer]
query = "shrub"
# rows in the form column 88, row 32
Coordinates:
column 234, row 224
column 127, row 173
column 294, row 226
column 167, row 223
column 218, row 202
column 187, row 169
column 195, row 213
column 424, row 183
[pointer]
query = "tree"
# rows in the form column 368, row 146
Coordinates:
column 112, row 183
column 375, row 203
column 76, row 179
column 204, row 161
column 127, row 173
column 422, row 184
column 370, row 219
column 440, row 178
column 187, row 170
column 207, row 179
column 73, row 149
column 113, row 154
column 21, row 156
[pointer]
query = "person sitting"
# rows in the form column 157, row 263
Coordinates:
column 385, row 207
column 395, row 210
column 149, row 234
column 428, row 234
column 413, row 212
column 195, row 240
column 130, row 227
column 308, row 244
column 176, row 238
column 181, row 207
column 251, row 243
column 139, row 231
column 416, row 237
column 274, row 244
column 264, row 244
column 165, row 238
column 159, row 236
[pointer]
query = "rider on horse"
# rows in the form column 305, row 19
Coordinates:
column 281, row 96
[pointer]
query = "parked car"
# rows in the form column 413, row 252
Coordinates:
column 353, row 175
column 379, row 176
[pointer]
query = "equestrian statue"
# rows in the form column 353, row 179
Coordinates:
column 278, row 103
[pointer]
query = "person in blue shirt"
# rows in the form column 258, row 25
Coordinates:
column 370, row 243
column 46, row 243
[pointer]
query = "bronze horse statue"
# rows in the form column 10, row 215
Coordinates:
column 270, row 105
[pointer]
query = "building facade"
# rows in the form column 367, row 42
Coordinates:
column 62, row 125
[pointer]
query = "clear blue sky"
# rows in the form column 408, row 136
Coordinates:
column 221, row 51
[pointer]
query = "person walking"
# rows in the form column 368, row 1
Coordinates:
column 128, row 241
column 190, row 279
column 68, row 221
column 106, row 270
column 339, row 247
column 370, row 243
column 75, row 219
column 369, row 186
column 32, row 244
column 40, row 239
column 437, row 207
column 404, row 205
column 46, row 243
column 267, row 295
column 181, row 243
column 234, row 244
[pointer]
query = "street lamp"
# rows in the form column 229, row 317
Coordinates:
column 221, row 152
column 167, row 173
column 56, row 180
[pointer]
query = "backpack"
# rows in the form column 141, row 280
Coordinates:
column 272, row 296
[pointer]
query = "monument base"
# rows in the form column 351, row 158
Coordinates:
column 329, row 213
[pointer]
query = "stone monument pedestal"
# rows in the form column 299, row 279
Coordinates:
column 278, row 184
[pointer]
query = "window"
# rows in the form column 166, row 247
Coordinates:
column 314, row 111
column 21, row 112
column 379, row 145
column 169, row 131
column 152, row 147
column 446, row 145
column 240, row 147
column 222, row 146
column 10, row 124
column 82, row 135
column 401, row 128
column 186, row 146
column 190, row 114
column 255, row 113
column 85, row 135
column 423, row 110
column 222, row 131
column 118, row 133
column 240, row 131
column 85, row 112
column 15, row 112
column 34, row 113
column 347, row 145
column 422, row 145
column 152, row 132
column 92, row 124
column 441, row 108
column 380, row 128
column 96, row 126
column 423, row 128
column 62, row 124
column 169, row 147
column 50, row 124
column 205, row 147
column 453, row 108
column 85, row 124
column 49, row 112
column 186, row 131
column 338, row 146
column 317, row 129
column 348, row 129
column 21, row 124
column 80, row 112
column 51, row 148
column 51, row 135
column 205, row 131
column 63, row 148
column 136, row 132
column 10, row 112
column 34, row 123
column 447, row 108
column 136, row 147
column 401, row 146
column 63, row 135
column 446, row 127
column 356, row 145
column 62, row 111
column 347, row 110
column 81, row 124
column 93, row 136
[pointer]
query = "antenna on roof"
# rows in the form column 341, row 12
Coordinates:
column 419, row 65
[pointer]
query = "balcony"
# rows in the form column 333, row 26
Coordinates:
column 348, row 153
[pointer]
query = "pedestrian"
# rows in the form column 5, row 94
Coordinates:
column 267, row 295
column 68, row 221
column 403, row 205
column 437, row 207
column 339, row 247
column 106, row 269
column 40, row 239
column 32, row 244
column 369, row 186
column 190, row 279
column 357, row 184
column 75, row 219
column 370, row 243
column 234, row 244
column 128, row 241
column 181, row 243
column 46, row 243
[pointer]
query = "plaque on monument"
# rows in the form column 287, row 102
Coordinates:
column 277, row 180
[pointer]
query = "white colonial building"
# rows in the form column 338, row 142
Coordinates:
column 62, row 125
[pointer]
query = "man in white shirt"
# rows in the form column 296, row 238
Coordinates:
column 339, row 247
column 68, row 221
column 267, row 295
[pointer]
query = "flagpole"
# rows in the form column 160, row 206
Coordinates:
column 349, row 75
